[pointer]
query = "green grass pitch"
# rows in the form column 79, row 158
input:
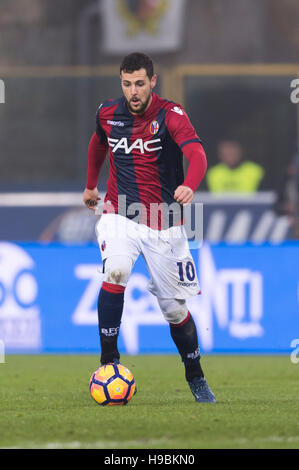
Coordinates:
column 45, row 403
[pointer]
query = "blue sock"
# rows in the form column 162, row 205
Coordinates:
column 184, row 335
column 110, row 308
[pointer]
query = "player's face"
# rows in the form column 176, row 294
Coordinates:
column 137, row 89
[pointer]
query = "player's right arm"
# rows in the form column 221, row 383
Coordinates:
column 97, row 151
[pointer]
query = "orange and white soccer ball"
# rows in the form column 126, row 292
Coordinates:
column 112, row 384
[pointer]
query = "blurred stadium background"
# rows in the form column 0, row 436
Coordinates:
column 230, row 64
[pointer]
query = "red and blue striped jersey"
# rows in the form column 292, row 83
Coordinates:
column 145, row 151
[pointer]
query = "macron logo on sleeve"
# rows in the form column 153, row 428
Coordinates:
column 178, row 110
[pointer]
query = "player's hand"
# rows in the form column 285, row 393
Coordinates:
column 183, row 195
column 91, row 198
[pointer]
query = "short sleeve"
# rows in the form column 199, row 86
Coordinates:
column 180, row 127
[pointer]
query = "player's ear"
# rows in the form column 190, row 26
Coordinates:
column 153, row 81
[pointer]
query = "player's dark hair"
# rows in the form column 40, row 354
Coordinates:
column 137, row 61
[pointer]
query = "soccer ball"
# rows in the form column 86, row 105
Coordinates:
column 112, row 384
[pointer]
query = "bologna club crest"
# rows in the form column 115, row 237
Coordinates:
column 154, row 127
column 142, row 15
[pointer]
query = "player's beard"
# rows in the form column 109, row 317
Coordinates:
column 142, row 107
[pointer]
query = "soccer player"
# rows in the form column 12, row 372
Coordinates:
column 146, row 136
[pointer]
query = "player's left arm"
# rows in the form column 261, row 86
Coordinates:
column 184, row 134
column 196, row 156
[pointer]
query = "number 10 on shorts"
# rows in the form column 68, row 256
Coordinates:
column 189, row 271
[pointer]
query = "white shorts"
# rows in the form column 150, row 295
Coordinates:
column 166, row 253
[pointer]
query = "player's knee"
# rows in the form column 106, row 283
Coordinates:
column 174, row 310
column 117, row 270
